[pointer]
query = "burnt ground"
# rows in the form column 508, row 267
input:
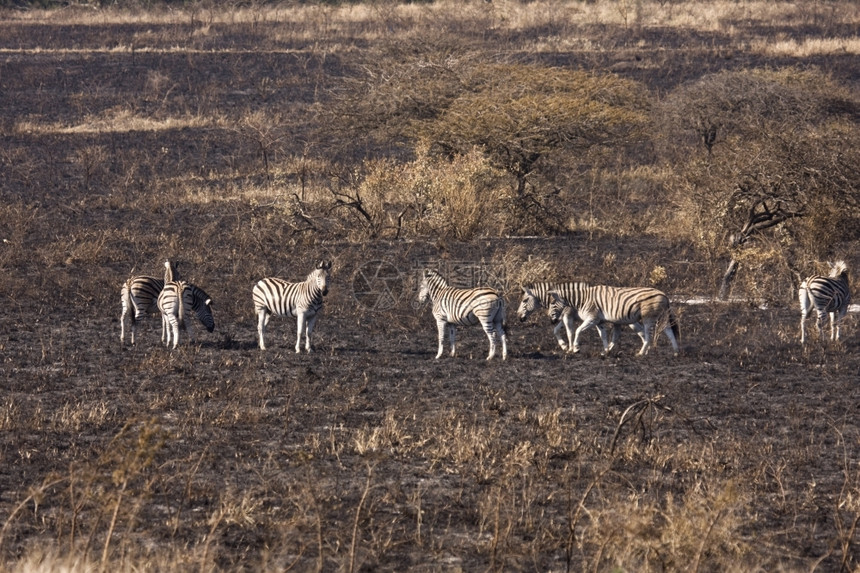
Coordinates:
column 273, row 458
column 368, row 454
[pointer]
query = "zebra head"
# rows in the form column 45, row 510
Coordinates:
column 320, row 276
column 556, row 307
column 431, row 282
column 202, row 308
column 424, row 291
column 529, row 304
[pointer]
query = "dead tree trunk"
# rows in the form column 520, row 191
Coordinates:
column 761, row 216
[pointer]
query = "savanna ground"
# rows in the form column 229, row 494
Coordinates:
column 133, row 136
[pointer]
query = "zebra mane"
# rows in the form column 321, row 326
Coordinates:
column 435, row 278
column 838, row 268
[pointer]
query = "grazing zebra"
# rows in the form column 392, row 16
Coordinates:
column 176, row 302
column 139, row 296
column 537, row 295
column 640, row 307
column 828, row 295
column 453, row 306
column 302, row 300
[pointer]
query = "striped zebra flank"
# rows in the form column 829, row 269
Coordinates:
column 537, row 296
column 176, row 302
column 643, row 308
column 139, row 297
column 454, row 307
column 827, row 296
column 304, row 301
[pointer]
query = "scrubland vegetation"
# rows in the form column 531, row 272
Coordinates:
column 706, row 148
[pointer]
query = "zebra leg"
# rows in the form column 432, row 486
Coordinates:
column 490, row 330
column 604, row 337
column 500, row 328
column 441, row 327
column 134, row 315
column 165, row 327
column 819, row 323
column 671, row 336
column 836, row 323
column 309, row 328
column 170, row 327
column 804, row 313
column 567, row 320
column 175, row 333
column 452, row 336
column 262, row 320
column 557, row 332
column 648, row 328
column 301, row 326
column 588, row 323
column 616, row 332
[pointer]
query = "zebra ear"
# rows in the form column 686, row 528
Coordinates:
column 325, row 265
column 208, row 301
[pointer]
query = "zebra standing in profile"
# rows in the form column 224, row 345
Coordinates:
column 177, row 300
column 828, row 295
column 302, row 300
column 455, row 306
column 640, row 307
column 139, row 296
column 537, row 295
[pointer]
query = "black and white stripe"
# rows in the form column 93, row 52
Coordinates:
column 827, row 295
column 139, row 297
column 304, row 300
column 643, row 308
column 176, row 302
column 537, row 295
column 455, row 306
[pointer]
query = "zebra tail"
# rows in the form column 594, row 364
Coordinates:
column 504, row 317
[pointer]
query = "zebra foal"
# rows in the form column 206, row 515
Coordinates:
column 177, row 300
column 139, row 297
column 640, row 307
column 302, row 300
column 827, row 295
column 455, row 306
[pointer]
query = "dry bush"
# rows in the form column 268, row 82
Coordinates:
column 462, row 198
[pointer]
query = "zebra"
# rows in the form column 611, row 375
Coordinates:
column 640, row 307
column 302, row 300
column 828, row 295
column 454, row 306
column 176, row 302
column 537, row 295
column 139, row 297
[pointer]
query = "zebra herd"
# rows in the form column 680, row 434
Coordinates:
column 646, row 310
column 175, row 299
